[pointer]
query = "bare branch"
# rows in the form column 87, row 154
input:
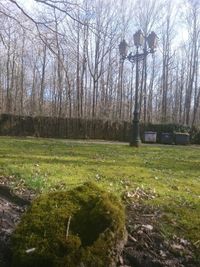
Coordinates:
column 52, row 5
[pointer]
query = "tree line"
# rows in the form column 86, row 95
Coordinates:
column 61, row 59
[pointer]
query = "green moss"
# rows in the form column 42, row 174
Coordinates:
column 95, row 220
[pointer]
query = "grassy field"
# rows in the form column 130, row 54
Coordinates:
column 173, row 172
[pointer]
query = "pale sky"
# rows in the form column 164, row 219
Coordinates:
column 182, row 33
column 30, row 5
column 27, row 3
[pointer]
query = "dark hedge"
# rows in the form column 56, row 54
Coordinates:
column 75, row 128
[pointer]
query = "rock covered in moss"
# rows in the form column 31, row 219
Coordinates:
column 81, row 227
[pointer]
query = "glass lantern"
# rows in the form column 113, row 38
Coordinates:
column 152, row 41
column 138, row 38
column 123, row 49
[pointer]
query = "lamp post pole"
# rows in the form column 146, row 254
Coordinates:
column 123, row 49
column 135, row 134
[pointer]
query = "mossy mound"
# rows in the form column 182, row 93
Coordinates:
column 81, row 227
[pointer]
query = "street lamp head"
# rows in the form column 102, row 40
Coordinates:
column 138, row 38
column 152, row 41
column 123, row 49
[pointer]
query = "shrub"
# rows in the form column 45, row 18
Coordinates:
column 195, row 135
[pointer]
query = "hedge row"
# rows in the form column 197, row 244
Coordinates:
column 63, row 128
column 75, row 128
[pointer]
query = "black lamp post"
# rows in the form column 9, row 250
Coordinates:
column 139, row 40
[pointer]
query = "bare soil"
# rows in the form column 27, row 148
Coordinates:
column 12, row 206
column 147, row 246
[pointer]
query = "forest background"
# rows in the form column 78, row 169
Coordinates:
column 61, row 59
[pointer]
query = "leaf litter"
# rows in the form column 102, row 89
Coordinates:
column 147, row 245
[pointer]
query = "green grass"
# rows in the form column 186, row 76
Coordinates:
column 172, row 171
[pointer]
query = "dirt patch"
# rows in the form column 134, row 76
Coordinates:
column 147, row 246
column 13, row 203
column 10, row 214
